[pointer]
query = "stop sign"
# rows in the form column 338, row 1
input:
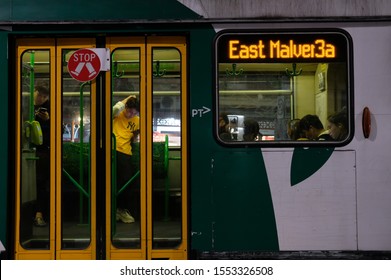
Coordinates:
column 84, row 65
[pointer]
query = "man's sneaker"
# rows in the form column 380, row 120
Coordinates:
column 39, row 222
column 124, row 216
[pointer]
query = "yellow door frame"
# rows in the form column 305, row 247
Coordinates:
column 55, row 46
column 145, row 44
column 88, row 253
column 21, row 253
column 54, row 252
column 112, row 252
column 179, row 43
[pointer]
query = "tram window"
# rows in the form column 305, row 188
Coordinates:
column 269, row 83
column 34, row 98
column 166, row 87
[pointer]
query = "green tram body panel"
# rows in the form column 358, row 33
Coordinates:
column 209, row 200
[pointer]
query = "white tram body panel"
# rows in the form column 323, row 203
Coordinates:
column 346, row 204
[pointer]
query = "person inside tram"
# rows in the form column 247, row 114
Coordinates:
column 293, row 130
column 224, row 132
column 251, row 130
column 42, row 113
column 126, row 130
column 313, row 128
column 338, row 125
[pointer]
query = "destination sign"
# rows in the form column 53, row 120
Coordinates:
column 284, row 47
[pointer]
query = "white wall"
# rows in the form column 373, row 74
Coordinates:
column 250, row 9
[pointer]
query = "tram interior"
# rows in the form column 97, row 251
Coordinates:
column 274, row 93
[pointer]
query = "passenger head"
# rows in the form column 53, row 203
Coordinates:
column 293, row 130
column 41, row 94
column 338, row 125
column 132, row 107
column 251, row 130
column 311, row 126
column 223, row 122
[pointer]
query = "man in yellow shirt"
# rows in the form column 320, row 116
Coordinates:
column 126, row 122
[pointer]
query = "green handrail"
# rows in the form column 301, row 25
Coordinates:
column 128, row 182
column 166, row 180
column 167, row 158
column 76, row 184
column 32, row 81
column 115, row 191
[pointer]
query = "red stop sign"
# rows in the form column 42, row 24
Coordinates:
column 84, row 65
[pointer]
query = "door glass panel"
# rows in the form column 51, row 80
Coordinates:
column 35, row 153
column 76, row 151
column 166, row 168
column 125, row 171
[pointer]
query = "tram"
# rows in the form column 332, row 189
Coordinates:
column 193, row 193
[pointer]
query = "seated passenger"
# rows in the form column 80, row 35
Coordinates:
column 294, row 132
column 251, row 130
column 313, row 128
column 338, row 125
column 224, row 132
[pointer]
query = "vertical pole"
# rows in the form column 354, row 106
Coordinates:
column 32, row 81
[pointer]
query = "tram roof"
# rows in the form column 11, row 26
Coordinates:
column 152, row 11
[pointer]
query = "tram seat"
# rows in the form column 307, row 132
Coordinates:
column 76, row 155
column 160, row 158
column 76, row 167
column 160, row 170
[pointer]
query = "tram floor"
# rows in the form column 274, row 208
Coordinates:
column 166, row 234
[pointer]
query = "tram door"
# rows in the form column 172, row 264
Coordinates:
column 129, row 204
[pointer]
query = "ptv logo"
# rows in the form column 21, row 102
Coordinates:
column 84, row 65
